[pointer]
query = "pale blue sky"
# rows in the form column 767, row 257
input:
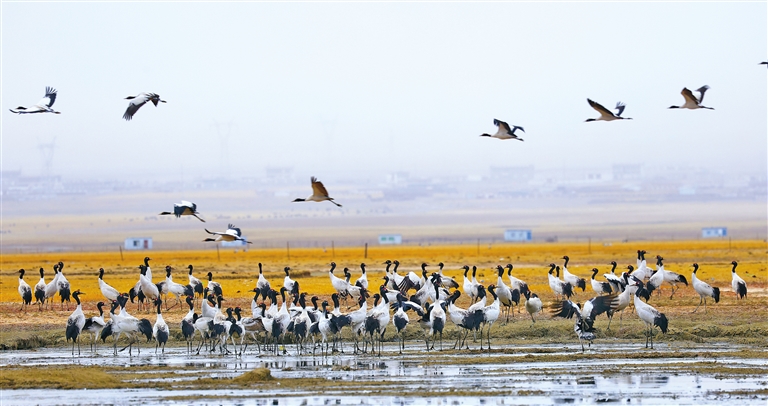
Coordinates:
column 343, row 88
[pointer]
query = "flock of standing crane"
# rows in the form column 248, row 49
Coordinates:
column 430, row 298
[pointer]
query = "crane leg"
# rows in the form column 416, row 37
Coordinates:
column 651, row 336
column 697, row 307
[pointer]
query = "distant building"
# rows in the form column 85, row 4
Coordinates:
column 712, row 232
column 627, row 171
column 140, row 243
column 517, row 235
column 520, row 174
column 386, row 239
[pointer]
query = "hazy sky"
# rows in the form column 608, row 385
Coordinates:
column 343, row 88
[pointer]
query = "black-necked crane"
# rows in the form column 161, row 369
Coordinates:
column 412, row 281
column 208, row 307
column 197, row 286
column 355, row 319
column 400, row 319
column 591, row 309
column 657, row 278
column 325, row 326
column 377, row 320
column 395, row 279
column 560, row 288
column 109, row 292
column 213, row 286
column 737, row 284
column 533, row 304
column 139, row 100
column 574, row 280
column 263, row 284
column 251, row 326
column 357, row 290
column 605, row 114
column 160, row 329
column 232, row 234
column 43, row 106
column 625, row 297
column 703, row 289
column 427, row 293
column 94, row 324
column 363, row 279
column 467, row 285
column 75, row 323
column 125, row 323
column 148, row 287
column 176, row 289
column 507, row 296
column 584, row 331
column 204, row 325
column 40, row 290
column 50, row 287
column 491, row 313
column 184, row 208
column 464, row 318
column 650, row 316
column 601, row 288
column 135, row 291
column 340, row 285
column 279, row 325
column 300, row 324
column 187, row 323
column 319, row 193
column 425, row 323
column 25, row 291
column 255, row 303
column 692, row 102
column 289, row 283
column 504, row 132
column 617, row 283
column 642, row 272
column 62, row 285
column 673, row 278
column 516, row 283
column 437, row 318
column 474, row 278
column 448, row 283
column 398, row 278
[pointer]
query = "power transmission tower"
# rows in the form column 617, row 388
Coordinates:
column 224, row 130
column 47, row 150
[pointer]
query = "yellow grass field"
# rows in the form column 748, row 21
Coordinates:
column 238, row 271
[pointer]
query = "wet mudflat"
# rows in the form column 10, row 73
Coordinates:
column 537, row 374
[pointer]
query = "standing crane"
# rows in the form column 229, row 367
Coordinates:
column 703, row 289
